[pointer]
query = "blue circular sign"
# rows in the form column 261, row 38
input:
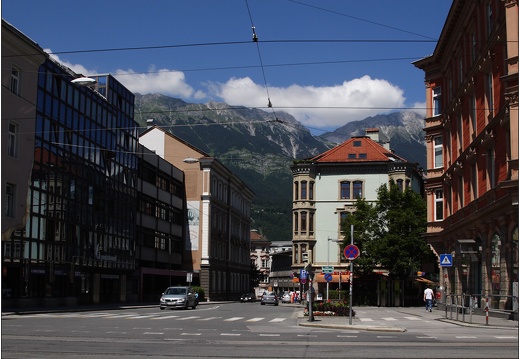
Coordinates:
column 328, row 277
column 351, row 252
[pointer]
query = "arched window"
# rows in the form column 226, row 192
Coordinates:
column 358, row 189
column 495, row 264
column 296, row 191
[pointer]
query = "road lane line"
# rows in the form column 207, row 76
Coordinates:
column 255, row 319
column 276, row 320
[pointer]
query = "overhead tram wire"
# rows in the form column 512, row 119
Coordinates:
column 255, row 40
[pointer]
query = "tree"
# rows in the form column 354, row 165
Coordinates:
column 255, row 276
column 389, row 232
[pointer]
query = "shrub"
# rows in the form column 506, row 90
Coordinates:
column 336, row 308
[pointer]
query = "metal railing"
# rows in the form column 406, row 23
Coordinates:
column 478, row 304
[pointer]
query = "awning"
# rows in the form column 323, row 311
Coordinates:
column 320, row 278
column 424, row 280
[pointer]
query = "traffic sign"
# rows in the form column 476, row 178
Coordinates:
column 328, row 277
column 327, row 269
column 351, row 252
column 446, row 260
column 303, row 274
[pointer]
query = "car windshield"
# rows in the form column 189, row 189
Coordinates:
column 175, row 291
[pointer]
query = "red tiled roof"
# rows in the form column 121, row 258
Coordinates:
column 357, row 149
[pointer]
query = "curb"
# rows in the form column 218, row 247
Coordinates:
column 355, row 327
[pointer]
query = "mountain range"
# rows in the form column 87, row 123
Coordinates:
column 260, row 146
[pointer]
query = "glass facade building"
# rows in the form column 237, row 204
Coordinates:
column 79, row 240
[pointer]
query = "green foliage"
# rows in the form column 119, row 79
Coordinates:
column 200, row 292
column 255, row 276
column 389, row 232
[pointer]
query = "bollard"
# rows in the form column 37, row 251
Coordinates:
column 487, row 311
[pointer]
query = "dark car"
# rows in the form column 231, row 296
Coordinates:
column 247, row 297
column 269, row 298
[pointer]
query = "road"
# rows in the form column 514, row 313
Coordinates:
column 235, row 330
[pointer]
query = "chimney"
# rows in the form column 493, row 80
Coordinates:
column 373, row 134
column 149, row 123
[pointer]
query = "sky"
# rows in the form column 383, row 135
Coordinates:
column 325, row 62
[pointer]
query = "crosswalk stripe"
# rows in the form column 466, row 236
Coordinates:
column 277, row 320
column 167, row 317
column 233, row 319
column 255, row 319
column 389, row 319
column 413, row 318
column 209, row 318
column 366, row 319
column 188, row 318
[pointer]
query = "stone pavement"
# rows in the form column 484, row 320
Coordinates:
column 396, row 319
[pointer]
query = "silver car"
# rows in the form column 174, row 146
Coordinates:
column 269, row 298
column 178, row 297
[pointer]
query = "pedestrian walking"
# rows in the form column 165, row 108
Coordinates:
column 428, row 298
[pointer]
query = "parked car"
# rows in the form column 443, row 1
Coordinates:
column 269, row 298
column 178, row 297
column 248, row 297
column 286, row 298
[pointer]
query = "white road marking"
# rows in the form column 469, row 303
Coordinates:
column 255, row 319
column 233, row 319
column 167, row 317
column 366, row 319
column 277, row 320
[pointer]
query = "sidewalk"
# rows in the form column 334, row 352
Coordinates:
column 377, row 319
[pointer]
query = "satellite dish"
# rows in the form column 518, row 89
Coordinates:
column 84, row 81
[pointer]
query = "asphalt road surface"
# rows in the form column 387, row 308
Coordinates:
column 235, row 330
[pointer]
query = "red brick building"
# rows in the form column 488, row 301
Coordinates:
column 472, row 149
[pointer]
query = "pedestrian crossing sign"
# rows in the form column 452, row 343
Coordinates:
column 446, row 260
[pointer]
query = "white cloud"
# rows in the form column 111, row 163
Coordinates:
column 163, row 81
column 318, row 107
column 77, row 68
column 420, row 107
column 325, row 107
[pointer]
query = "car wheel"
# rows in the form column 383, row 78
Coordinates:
column 162, row 308
column 262, row 303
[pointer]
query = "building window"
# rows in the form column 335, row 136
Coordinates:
column 473, row 47
column 311, row 223
column 489, row 16
column 15, row 81
column 461, row 70
column 489, row 93
column 439, row 205
column 473, row 115
column 296, row 191
column 437, row 149
column 357, row 143
column 400, row 185
column 460, row 191
column 490, row 164
column 296, row 226
column 345, row 190
column 436, row 99
column 10, row 191
column 303, row 187
column 474, row 181
column 12, row 143
column 303, row 225
column 460, row 134
column 358, row 189
column 311, row 190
